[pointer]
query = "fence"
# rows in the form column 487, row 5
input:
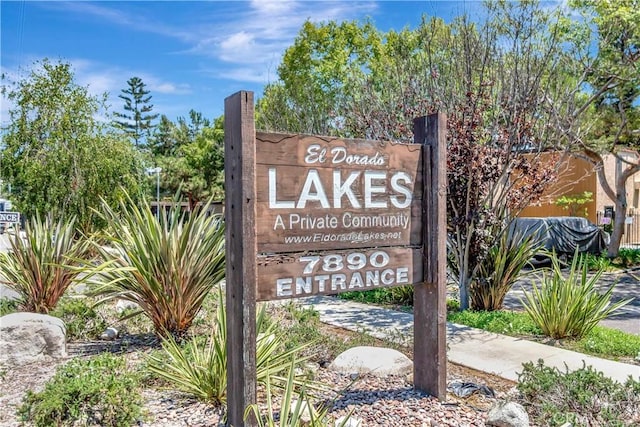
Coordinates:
column 631, row 236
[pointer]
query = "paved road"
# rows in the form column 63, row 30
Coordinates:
column 627, row 285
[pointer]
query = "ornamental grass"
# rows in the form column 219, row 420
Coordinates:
column 42, row 264
column 166, row 264
column 569, row 306
column 501, row 268
column 199, row 366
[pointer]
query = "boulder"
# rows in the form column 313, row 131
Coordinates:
column 377, row 361
column 123, row 305
column 508, row 414
column 109, row 334
column 29, row 337
column 8, row 293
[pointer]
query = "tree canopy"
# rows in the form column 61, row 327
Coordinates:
column 191, row 155
column 352, row 80
column 137, row 120
column 57, row 157
column 602, row 115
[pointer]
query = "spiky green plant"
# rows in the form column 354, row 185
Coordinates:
column 296, row 407
column 42, row 264
column 167, row 266
column 501, row 268
column 200, row 368
column 571, row 306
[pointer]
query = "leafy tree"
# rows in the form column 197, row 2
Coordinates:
column 489, row 79
column 194, row 160
column 314, row 77
column 57, row 157
column 136, row 121
column 574, row 202
column 163, row 143
column 603, row 114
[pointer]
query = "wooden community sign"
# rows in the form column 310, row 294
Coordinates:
column 312, row 215
column 336, row 215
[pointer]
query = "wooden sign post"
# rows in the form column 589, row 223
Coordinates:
column 309, row 215
column 430, row 296
column 240, row 246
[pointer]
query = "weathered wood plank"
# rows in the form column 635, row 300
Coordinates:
column 285, row 276
column 292, row 149
column 314, row 192
column 241, row 275
column 338, row 228
column 429, row 301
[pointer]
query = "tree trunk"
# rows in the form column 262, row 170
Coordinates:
column 464, row 294
column 618, row 225
column 619, row 195
column 463, row 287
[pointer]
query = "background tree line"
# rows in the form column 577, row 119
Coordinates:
column 59, row 159
column 522, row 88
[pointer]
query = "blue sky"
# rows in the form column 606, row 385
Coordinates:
column 191, row 55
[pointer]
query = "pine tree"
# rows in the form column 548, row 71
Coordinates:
column 136, row 121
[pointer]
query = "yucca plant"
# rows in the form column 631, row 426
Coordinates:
column 501, row 268
column 200, row 368
column 571, row 306
column 296, row 407
column 41, row 265
column 166, row 265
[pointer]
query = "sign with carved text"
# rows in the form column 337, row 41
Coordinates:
column 311, row 215
column 316, row 196
column 331, row 272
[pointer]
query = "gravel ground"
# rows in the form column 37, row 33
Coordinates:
column 376, row 401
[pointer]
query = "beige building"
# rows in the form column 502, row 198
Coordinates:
column 577, row 176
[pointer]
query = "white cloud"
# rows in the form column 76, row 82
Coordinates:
column 239, row 44
column 99, row 78
column 267, row 27
column 170, row 88
column 244, row 74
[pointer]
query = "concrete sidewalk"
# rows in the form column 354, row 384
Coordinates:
column 488, row 352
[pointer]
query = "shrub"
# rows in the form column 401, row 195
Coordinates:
column 166, row 266
column 82, row 321
column 8, row 306
column 569, row 307
column 500, row 269
column 628, row 257
column 397, row 295
column 582, row 397
column 301, row 326
column 42, row 265
column 597, row 262
column 96, row 391
column 200, row 368
column 402, row 295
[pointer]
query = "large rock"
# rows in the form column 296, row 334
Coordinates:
column 8, row 293
column 123, row 305
column 29, row 337
column 508, row 414
column 377, row 361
